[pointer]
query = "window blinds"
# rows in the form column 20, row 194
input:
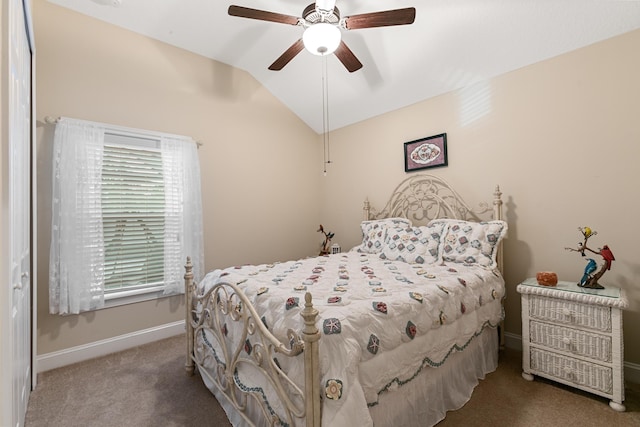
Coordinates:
column 133, row 206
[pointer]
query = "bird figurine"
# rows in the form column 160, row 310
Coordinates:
column 591, row 276
column 588, row 270
column 607, row 255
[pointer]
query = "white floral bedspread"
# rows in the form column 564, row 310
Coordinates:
column 368, row 308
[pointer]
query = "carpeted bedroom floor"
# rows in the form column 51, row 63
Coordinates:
column 147, row 386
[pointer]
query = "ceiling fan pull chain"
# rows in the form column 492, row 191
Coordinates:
column 325, row 115
column 328, row 129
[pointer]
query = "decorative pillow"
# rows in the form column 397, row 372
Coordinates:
column 471, row 242
column 415, row 245
column 373, row 233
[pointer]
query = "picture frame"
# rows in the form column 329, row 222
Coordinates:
column 426, row 153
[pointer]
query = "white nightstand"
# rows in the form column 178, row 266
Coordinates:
column 573, row 335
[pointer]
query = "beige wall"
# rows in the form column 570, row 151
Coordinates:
column 561, row 137
column 252, row 146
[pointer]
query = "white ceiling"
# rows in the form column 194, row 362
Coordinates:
column 452, row 44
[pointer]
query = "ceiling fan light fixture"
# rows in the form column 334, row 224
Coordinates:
column 321, row 38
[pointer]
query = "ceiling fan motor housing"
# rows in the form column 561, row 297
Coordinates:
column 313, row 16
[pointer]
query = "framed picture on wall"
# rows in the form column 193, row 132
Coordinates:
column 430, row 152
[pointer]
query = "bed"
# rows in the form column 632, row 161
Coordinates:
column 396, row 331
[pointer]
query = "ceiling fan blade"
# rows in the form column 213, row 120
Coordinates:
column 381, row 19
column 287, row 56
column 348, row 59
column 262, row 15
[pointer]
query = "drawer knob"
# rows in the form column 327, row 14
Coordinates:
column 566, row 340
column 566, row 311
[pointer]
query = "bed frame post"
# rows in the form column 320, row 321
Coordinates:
column 497, row 214
column 310, row 336
column 188, row 289
column 367, row 210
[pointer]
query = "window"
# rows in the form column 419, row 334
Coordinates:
column 126, row 213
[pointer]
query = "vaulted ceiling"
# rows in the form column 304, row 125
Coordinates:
column 452, row 44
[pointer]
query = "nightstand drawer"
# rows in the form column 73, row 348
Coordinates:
column 555, row 310
column 582, row 343
column 572, row 370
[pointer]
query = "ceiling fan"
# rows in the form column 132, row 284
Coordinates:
column 322, row 23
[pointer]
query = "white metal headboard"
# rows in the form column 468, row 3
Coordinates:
column 422, row 198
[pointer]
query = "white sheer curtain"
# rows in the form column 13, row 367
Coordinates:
column 76, row 264
column 77, row 244
column 183, row 212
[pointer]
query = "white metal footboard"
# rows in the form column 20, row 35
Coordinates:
column 225, row 304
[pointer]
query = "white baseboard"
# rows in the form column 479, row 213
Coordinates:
column 631, row 370
column 68, row 356
column 513, row 341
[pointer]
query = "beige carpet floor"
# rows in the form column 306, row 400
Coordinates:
column 147, row 386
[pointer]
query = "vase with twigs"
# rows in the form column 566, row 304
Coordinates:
column 326, row 244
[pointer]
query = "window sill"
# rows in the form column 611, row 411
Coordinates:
column 134, row 296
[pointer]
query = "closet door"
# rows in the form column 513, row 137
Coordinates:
column 20, row 219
